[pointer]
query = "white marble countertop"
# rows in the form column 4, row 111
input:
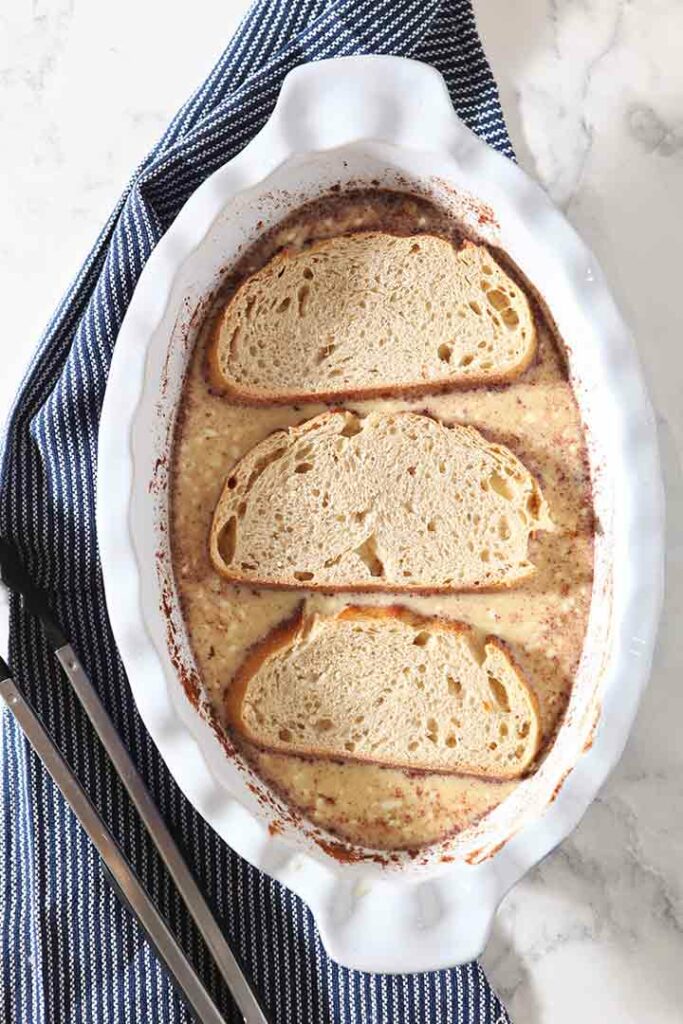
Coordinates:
column 593, row 94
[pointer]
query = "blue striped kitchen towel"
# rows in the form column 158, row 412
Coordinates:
column 70, row 953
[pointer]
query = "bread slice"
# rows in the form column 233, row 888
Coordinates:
column 388, row 686
column 370, row 314
column 391, row 502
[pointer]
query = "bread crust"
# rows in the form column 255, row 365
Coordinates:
column 381, row 587
column 259, row 398
column 287, row 632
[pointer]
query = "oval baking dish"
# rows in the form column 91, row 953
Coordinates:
column 386, row 121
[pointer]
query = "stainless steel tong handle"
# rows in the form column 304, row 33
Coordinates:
column 225, row 959
column 14, row 576
column 126, row 881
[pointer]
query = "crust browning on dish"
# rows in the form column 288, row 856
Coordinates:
column 543, row 619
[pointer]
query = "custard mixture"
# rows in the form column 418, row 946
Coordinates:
column 543, row 620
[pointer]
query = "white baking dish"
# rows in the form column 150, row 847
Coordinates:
column 388, row 120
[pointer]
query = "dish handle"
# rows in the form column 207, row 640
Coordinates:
column 331, row 103
column 364, row 927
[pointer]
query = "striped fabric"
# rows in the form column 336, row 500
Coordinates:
column 70, row 953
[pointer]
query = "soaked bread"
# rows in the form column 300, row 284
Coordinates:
column 369, row 314
column 541, row 620
column 389, row 502
column 387, row 686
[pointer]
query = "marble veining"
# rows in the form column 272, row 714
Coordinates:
column 655, row 135
column 593, row 94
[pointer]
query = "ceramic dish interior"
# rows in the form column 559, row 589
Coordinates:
column 386, row 121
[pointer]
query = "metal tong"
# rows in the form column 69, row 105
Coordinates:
column 119, row 872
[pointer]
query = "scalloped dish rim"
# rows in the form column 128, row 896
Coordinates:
column 384, row 119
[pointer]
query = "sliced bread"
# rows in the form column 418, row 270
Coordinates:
column 371, row 314
column 388, row 686
column 391, row 502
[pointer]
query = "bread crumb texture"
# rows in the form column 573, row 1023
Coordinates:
column 389, row 502
column 387, row 686
column 363, row 313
